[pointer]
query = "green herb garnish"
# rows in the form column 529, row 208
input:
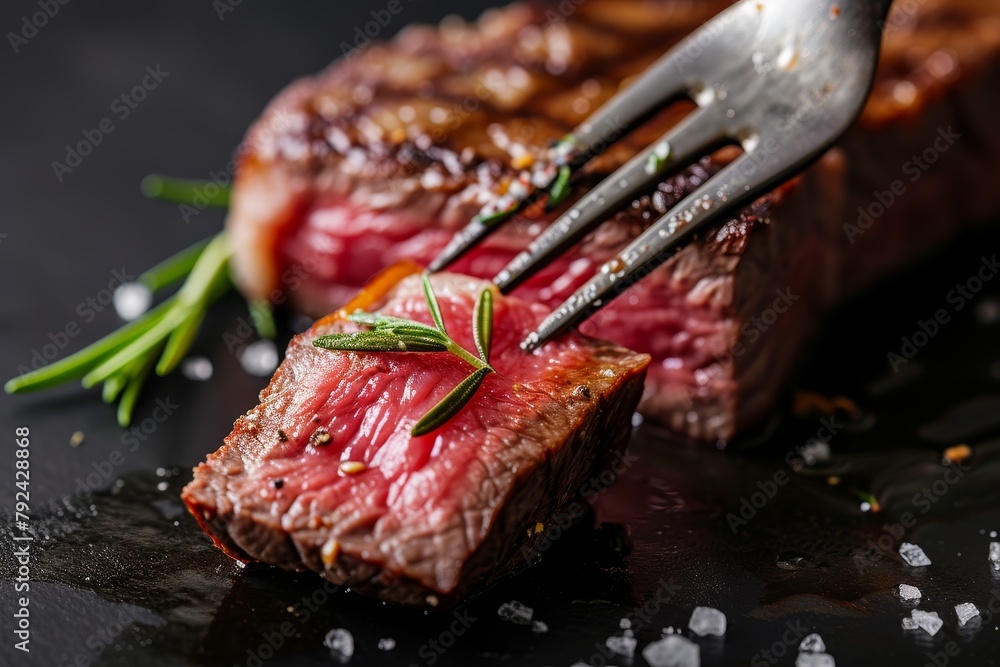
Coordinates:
column 482, row 324
column 174, row 268
column 653, row 164
column 122, row 360
column 184, row 191
column 494, row 219
column 451, row 404
column 396, row 334
column 658, row 159
column 262, row 317
column 560, row 187
column 868, row 497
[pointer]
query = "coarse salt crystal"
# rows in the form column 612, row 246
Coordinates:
column 928, row 621
column 966, row 612
column 516, row 613
column 913, row 555
column 707, row 621
column 624, row 646
column 673, row 651
column 812, row 644
column 340, row 642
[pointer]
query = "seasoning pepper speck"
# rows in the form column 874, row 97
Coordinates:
column 320, row 437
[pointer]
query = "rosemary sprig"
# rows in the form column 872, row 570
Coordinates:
column 396, row 334
column 122, row 360
column 174, row 268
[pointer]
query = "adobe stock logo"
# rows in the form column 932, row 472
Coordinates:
column 122, row 107
column 958, row 298
column 915, row 168
column 30, row 25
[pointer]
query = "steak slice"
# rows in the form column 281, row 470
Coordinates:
column 428, row 518
column 386, row 154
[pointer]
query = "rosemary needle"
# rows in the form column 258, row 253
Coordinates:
column 396, row 334
column 126, row 406
column 185, row 191
column 451, row 404
column 494, row 219
column 179, row 342
column 173, row 268
column 560, row 188
column 432, row 303
column 482, row 324
column 115, row 384
column 262, row 317
column 76, row 365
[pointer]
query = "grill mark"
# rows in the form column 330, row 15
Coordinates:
column 411, row 157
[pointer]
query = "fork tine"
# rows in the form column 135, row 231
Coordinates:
column 692, row 138
column 721, row 194
column 463, row 241
column 662, row 83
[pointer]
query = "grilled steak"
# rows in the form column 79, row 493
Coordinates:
column 387, row 153
column 416, row 520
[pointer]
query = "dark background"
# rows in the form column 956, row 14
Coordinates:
column 122, row 576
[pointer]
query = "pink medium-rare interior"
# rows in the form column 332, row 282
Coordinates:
column 678, row 317
column 410, row 483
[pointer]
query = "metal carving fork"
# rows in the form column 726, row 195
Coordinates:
column 783, row 79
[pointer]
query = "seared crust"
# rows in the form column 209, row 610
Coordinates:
column 433, row 119
column 462, row 100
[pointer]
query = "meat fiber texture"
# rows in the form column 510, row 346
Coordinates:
column 426, row 519
column 388, row 152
